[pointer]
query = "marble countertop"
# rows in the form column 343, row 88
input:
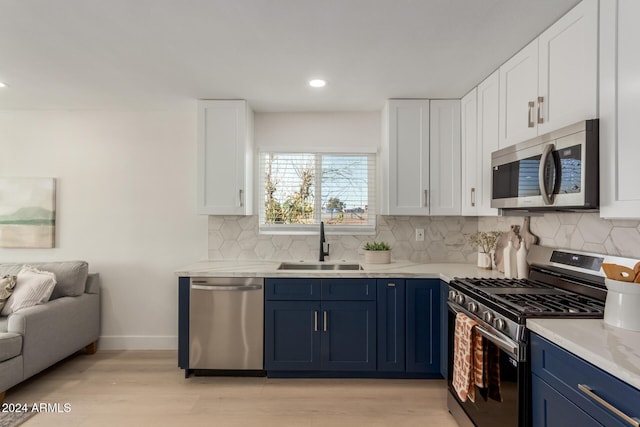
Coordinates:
column 396, row 269
column 614, row 350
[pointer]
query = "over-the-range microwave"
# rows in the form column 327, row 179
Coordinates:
column 555, row 171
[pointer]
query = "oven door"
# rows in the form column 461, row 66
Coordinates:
column 512, row 410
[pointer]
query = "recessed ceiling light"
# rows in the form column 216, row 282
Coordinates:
column 3, row 84
column 317, row 83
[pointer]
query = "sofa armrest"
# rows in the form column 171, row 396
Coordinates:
column 93, row 284
column 55, row 330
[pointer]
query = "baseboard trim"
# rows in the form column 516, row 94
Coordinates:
column 137, row 342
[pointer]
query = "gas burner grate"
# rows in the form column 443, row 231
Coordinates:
column 565, row 304
column 505, row 283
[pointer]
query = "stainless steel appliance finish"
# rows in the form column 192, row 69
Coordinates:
column 561, row 284
column 226, row 323
column 555, row 171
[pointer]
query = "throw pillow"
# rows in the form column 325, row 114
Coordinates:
column 7, row 283
column 33, row 287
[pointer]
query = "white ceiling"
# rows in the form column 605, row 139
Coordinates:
column 105, row 54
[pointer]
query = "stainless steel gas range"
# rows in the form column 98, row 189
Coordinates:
column 561, row 284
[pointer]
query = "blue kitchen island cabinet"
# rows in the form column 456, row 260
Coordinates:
column 567, row 390
column 320, row 325
column 423, row 326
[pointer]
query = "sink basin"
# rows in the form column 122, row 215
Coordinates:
column 314, row 266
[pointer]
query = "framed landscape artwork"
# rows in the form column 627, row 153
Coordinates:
column 27, row 212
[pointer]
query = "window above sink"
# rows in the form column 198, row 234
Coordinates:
column 299, row 190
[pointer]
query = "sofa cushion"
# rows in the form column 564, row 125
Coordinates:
column 7, row 283
column 10, row 345
column 70, row 275
column 33, row 287
column 4, row 323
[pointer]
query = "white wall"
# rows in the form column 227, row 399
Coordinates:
column 125, row 203
column 339, row 131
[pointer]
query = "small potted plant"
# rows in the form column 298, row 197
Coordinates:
column 377, row 253
column 485, row 241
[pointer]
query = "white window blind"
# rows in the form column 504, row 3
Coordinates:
column 298, row 190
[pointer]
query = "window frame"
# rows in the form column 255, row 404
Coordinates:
column 313, row 229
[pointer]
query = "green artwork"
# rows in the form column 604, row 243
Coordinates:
column 27, row 212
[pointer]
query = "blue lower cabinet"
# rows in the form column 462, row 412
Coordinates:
column 589, row 393
column 320, row 325
column 551, row 409
column 423, row 326
column 183, row 324
column 391, row 325
column 292, row 335
column 348, row 340
column 444, row 332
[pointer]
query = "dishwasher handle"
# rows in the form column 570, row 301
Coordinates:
column 214, row 288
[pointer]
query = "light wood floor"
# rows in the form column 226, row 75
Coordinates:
column 139, row 388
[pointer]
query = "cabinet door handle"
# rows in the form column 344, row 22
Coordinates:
column 540, row 101
column 587, row 390
column 426, row 198
column 325, row 321
column 391, row 285
column 315, row 321
column 473, row 197
column 240, row 198
column 530, row 118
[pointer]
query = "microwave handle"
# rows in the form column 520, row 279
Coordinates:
column 542, row 183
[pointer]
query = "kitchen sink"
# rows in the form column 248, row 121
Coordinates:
column 314, row 266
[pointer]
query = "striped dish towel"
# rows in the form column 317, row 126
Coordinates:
column 468, row 358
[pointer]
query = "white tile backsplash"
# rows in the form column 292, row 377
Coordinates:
column 237, row 237
column 579, row 231
column 446, row 238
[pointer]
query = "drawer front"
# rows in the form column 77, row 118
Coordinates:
column 550, row 408
column 348, row 289
column 292, row 289
column 564, row 372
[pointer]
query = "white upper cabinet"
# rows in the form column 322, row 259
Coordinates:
column 568, row 64
column 420, row 157
column 479, row 139
column 619, row 109
column 405, row 157
column 553, row 81
column 518, row 93
column 225, row 157
column 444, row 161
column 488, row 118
column 469, row 145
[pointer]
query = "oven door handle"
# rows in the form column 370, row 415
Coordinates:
column 505, row 344
column 510, row 347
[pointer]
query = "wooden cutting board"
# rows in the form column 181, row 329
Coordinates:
column 503, row 242
column 528, row 237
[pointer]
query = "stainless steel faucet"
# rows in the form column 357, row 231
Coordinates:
column 323, row 242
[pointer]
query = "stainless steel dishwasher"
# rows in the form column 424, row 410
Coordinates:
column 226, row 323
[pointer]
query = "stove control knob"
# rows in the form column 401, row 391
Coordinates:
column 452, row 295
column 472, row 306
column 460, row 299
column 488, row 316
column 500, row 324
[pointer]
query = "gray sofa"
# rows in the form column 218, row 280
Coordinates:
column 34, row 338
